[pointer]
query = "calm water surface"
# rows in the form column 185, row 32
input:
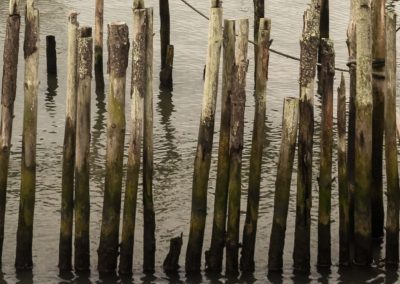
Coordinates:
column 175, row 133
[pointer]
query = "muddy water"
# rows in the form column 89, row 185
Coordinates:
column 175, row 132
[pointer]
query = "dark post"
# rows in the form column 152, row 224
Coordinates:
column 51, row 55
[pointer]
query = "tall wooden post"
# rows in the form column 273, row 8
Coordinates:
column 290, row 120
column 392, row 171
column 167, row 54
column 325, row 177
column 67, row 183
column 363, row 137
column 98, row 44
column 138, row 91
column 8, row 93
column 257, row 147
column 378, row 89
column 118, row 53
column 238, row 103
column 51, row 55
column 82, row 201
column 205, row 140
column 259, row 13
column 309, row 52
column 215, row 254
column 23, row 259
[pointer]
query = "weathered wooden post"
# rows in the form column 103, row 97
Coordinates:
column 290, row 122
column 257, row 147
column 327, row 77
column 98, row 44
column 344, row 195
column 238, row 103
column 204, row 148
column 118, row 54
column 323, row 33
column 138, row 91
column 167, row 50
column 51, row 55
column 215, row 254
column 363, row 137
column 378, row 89
column 23, row 259
column 259, row 13
column 67, row 183
column 8, row 92
column 82, row 201
column 309, row 52
column 149, row 244
column 392, row 171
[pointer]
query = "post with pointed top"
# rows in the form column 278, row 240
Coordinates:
column 238, row 102
column 8, row 93
column 67, row 183
column 290, row 121
column 344, row 194
column 23, row 259
column 392, row 171
column 309, row 52
column 82, row 201
column 205, row 140
column 149, row 243
column 257, row 147
column 118, row 50
column 363, row 137
column 138, row 90
column 98, row 44
column 325, row 177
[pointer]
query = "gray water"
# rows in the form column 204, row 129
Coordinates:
column 176, row 117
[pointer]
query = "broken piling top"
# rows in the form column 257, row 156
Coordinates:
column 118, row 53
column 138, row 4
column 216, row 4
column 14, row 7
column 73, row 18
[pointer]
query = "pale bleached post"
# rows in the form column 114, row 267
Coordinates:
column 205, row 140
column 309, row 52
column 363, row 137
column 392, row 170
column 290, row 120
column 257, row 147
column 118, row 54
column 8, row 93
column 82, row 201
column 214, row 255
column 138, row 91
column 238, row 103
column 23, row 259
column 67, row 180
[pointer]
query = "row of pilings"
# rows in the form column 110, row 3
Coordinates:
column 371, row 120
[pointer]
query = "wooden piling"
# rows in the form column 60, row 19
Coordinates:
column 238, row 103
column 392, row 171
column 98, row 44
column 67, row 183
column 118, row 53
column 23, row 259
column 259, row 13
column 138, row 91
column 344, row 195
column 290, row 121
column 309, row 52
column 171, row 262
column 82, row 201
column 149, row 244
column 205, row 140
column 257, row 147
column 215, row 254
column 8, row 93
column 325, row 177
column 167, row 49
column 323, row 33
column 51, row 55
column 378, row 89
column 363, row 137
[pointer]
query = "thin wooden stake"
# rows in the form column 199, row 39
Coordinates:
column 82, row 201
column 23, row 259
column 259, row 13
column 165, row 30
column 98, row 44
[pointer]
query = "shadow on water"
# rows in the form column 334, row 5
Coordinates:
column 25, row 277
column 51, row 93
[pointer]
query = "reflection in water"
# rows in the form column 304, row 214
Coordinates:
column 51, row 92
column 25, row 277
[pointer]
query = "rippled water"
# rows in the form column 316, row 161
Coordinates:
column 175, row 133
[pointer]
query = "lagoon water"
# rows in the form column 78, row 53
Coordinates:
column 176, row 118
